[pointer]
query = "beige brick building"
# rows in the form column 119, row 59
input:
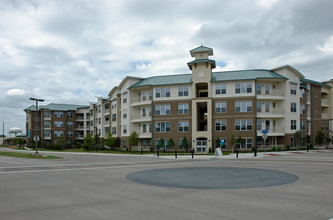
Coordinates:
column 206, row 106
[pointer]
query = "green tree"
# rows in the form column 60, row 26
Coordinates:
column 232, row 142
column 320, row 138
column 117, row 142
column 88, row 141
column 19, row 141
column 96, row 141
column 171, row 143
column 298, row 138
column 133, row 139
column 185, row 143
column 161, row 144
column 60, row 142
column 109, row 140
column 240, row 141
column 328, row 140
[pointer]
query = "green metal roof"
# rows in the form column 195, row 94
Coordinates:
column 164, row 80
column 245, row 75
column 202, row 49
column 309, row 81
column 57, row 107
column 202, row 61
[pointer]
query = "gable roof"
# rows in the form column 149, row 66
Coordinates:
column 287, row 66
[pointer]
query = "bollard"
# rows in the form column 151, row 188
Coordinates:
column 158, row 153
column 192, row 153
column 237, row 153
column 141, row 151
column 176, row 154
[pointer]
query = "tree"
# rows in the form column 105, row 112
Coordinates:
column 298, row 139
column 320, row 137
column 171, row 143
column 217, row 142
column 60, row 142
column 240, row 141
column 96, row 141
column 117, row 142
column 109, row 140
column 232, row 141
column 19, row 141
column 328, row 140
column 185, row 143
column 160, row 144
column 88, row 141
column 133, row 139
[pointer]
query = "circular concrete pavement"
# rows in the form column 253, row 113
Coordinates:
column 212, row 177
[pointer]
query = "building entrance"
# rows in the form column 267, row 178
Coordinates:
column 202, row 145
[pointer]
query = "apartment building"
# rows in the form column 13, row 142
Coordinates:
column 205, row 106
column 55, row 120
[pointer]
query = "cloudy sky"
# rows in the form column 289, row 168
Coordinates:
column 70, row 51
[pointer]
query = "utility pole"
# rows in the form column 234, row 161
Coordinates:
column 3, row 134
column 41, row 100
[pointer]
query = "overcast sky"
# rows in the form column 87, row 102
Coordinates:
column 70, row 51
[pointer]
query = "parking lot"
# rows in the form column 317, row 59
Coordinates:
column 98, row 186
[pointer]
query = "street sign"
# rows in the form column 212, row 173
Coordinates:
column 264, row 136
column 265, row 131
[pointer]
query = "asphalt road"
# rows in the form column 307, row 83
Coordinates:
column 96, row 187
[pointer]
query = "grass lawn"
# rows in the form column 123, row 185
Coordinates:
column 26, row 155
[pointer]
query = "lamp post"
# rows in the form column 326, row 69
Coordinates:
column 37, row 100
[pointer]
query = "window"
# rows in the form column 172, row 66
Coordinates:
column 144, row 128
column 221, row 125
column 99, row 120
column 267, row 89
column 180, row 144
column 69, row 124
column 150, row 95
column 247, row 144
column 293, row 89
column 58, row 133
column 99, row 109
column 243, row 125
column 124, row 144
column 302, row 93
column 47, row 124
column 114, row 130
column 292, row 142
column 322, row 126
column 114, row 104
column 47, row 133
column 293, row 125
column 164, row 145
column 183, row 126
column 162, row 110
column 220, row 89
column 268, row 124
column 302, row 125
column 259, row 125
column 302, row 109
column 149, row 126
column 143, row 112
column 124, row 129
column 243, row 88
column 183, row 109
column 258, row 89
column 163, row 127
column 125, row 113
column 144, row 96
column 91, row 123
column 58, row 114
column 47, row 115
column 114, row 117
column 125, row 98
column 220, row 107
column 293, row 107
column 183, row 91
column 162, row 92
column 258, row 106
column 243, row 106
column 69, row 114
column 267, row 106
column 69, row 133
column 58, row 124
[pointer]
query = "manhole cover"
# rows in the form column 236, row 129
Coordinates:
column 212, row 177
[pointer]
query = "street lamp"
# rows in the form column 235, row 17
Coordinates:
column 37, row 100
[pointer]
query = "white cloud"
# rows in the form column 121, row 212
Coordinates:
column 328, row 46
column 16, row 92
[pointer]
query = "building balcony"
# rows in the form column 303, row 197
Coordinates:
column 47, row 137
column 136, row 101
column 79, row 127
column 324, row 103
column 273, row 113
column 324, row 116
column 138, row 118
column 271, row 95
column 273, row 131
column 144, row 135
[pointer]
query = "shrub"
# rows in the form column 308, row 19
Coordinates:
column 274, row 148
column 279, row 148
